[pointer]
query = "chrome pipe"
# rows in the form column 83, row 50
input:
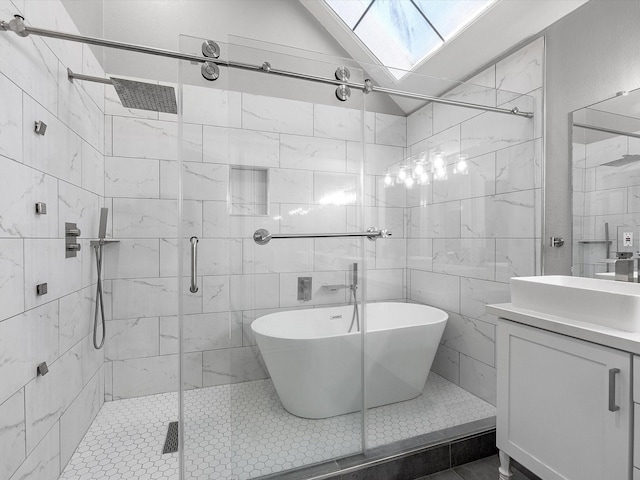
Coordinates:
column 262, row 236
column 194, row 265
column 18, row 26
column 78, row 76
column 606, row 130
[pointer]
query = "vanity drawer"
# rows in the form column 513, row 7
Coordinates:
column 636, row 379
column 636, row 441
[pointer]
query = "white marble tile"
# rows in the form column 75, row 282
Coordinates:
column 143, row 138
column 446, row 116
column 420, row 253
column 319, row 294
column 247, row 317
column 284, row 255
column 132, row 338
column 11, row 277
column 138, row 218
column 385, row 284
column 446, row 143
column 211, row 106
column 514, row 258
column 132, row 178
column 312, row 153
column 391, row 253
column 76, row 317
column 271, row 114
column 336, row 253
column 77, row 419
column 477, row 294
column 91, row 66
column 215, row 293
column 78, row 111
column 92, row 358
column 93, row 172
column 389, row 218
column 290, row 186
column 602, row 178
column 209, row 331
column 59, row 152
column 250, row 292
column 479, row 180
column 201, row 181
column 12, row 434
column 337, row 122
column 10, row 119
column 509, row 215
column 420, row 124
column 78, row 206
column 241, row 147
column 108, row 135
column 516, row 168
column 216, row 219
column 609, row 202
column 389, row 196
column 132, row 258
column 522, row 71
column 301, row 218
column 466, row 257
column 603, row 151
column 378, row 158
column 45, row 262
column 435, row 289
column 152, row 297
column 147, row 376
column 335, row 188
column 108, row 381
column 245, row 225
column 441, row 220
column 471, row 337
column 494, row 131
column 447, row 364
column 44, row 461
column 478, row 378
column 391, row 130
column 232, row 365
column 47, row 397
column 29, row 63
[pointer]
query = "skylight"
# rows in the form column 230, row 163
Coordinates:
column 402, row 33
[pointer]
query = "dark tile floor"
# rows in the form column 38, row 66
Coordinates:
column 483, row 469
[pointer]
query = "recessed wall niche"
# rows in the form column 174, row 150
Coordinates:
column 248, row 190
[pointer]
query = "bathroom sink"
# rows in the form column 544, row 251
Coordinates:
column 602, row 302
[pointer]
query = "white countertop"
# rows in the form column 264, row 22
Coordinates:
column 609, row 337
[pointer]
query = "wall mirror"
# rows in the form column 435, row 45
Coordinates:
column 606, row 184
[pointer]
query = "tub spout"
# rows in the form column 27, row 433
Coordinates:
column 334, row 288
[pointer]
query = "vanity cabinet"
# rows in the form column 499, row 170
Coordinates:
column 565, row 408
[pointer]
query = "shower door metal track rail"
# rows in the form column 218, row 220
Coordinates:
column 262, row 236
column 21, row 29
column 606, row 130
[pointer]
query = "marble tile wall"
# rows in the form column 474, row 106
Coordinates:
column 469, row 234
column 313, row 154
column 43, row 418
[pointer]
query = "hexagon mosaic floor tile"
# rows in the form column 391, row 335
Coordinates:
column 241, row 431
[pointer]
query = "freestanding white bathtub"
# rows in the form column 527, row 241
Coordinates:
column 315, row 364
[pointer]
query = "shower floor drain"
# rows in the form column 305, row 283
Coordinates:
column 171, row 442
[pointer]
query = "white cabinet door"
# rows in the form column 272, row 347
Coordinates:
column 554, row 408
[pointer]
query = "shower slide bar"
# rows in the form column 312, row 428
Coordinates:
column 18, row 26
column 262, row 236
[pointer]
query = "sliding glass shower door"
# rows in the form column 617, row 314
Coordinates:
column 282, row 157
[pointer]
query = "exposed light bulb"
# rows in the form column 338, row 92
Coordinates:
column 402, row 174
column 424, row 178
column 408, row 182
column 419, row 170
column 388, row 181
column 438, row 163
column 440, row 174
column 461, row 166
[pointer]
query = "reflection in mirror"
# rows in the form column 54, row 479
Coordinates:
column 606, row 188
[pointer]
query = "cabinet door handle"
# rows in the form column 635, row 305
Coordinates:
column 612, row 390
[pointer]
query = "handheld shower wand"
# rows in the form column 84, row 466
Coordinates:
column 97, row 246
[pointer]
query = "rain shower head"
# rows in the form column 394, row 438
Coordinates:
column 145, row 96
column 625, row 160
column 133, row 94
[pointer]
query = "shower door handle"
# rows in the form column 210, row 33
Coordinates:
column 194, row 265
